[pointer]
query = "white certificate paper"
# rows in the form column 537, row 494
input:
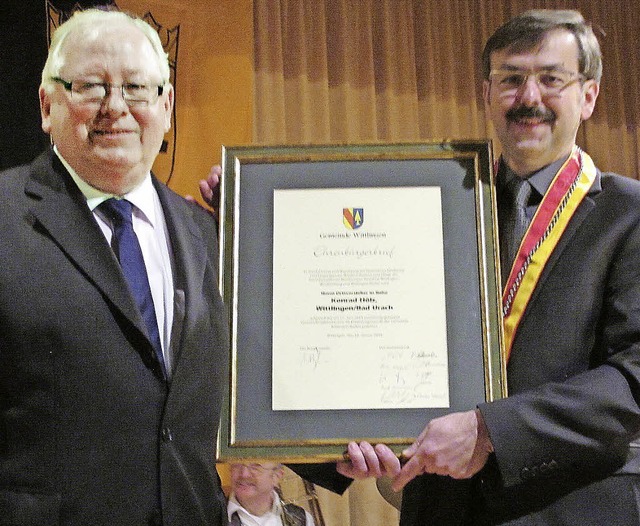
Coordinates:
column 359, row 299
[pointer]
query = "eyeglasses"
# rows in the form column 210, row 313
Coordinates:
column 96, row 92
column 550, row 82
column 254, row 469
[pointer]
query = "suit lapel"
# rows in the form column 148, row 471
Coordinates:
column 190, row 256
column 60, row 208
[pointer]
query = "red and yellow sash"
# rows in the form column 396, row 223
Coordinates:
column 568, row 188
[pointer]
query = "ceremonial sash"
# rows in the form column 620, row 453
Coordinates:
column 569, row 186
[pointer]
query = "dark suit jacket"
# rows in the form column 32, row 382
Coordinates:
column 90, row 433
column 562, row 437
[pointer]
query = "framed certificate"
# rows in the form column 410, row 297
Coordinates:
column 363, row 292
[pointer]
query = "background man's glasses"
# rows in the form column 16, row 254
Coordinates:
column 96, row 92
column 550, row 81
column 254, row 469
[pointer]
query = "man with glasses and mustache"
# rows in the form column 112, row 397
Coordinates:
column 113, row 336
column 255, row 501
column 559, row 450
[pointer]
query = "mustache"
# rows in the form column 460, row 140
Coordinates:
column 526, row 112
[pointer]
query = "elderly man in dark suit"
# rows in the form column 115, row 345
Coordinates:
column 560, row 449
column 113, row 339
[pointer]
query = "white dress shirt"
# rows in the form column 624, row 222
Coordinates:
column 271, row 518
column 151, row 229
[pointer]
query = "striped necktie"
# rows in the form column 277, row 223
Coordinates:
column 515, row 219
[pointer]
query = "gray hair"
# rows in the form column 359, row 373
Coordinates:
column 528, row 29
column 95, row 18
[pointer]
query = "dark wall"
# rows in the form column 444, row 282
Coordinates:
column 23, row 50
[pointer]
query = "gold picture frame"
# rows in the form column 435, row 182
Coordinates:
column 462, row 174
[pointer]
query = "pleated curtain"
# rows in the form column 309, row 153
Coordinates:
column 407, row 70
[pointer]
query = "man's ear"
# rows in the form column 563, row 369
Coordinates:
column 591, row 89
column 168, row 108
column 45, row 109
column 486, row 91
column 278, row 475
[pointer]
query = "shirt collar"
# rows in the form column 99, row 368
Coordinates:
column 234, row 505
column 142, row 196
column 540, row 180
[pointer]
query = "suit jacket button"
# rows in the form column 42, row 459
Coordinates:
column 525, row 474
column 167, row 435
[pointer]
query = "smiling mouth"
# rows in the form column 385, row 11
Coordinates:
column 110, row 137
column 109, row 133
column 529, row 121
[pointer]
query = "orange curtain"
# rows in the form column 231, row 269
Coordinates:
column 404, row 70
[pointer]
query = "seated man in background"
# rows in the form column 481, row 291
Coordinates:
column 254, row 499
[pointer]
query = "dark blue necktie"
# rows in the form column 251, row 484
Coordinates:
column 514, row 221
column 127, row 249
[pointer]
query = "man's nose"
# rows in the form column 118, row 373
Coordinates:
column 114, row 101
column 530, row 94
